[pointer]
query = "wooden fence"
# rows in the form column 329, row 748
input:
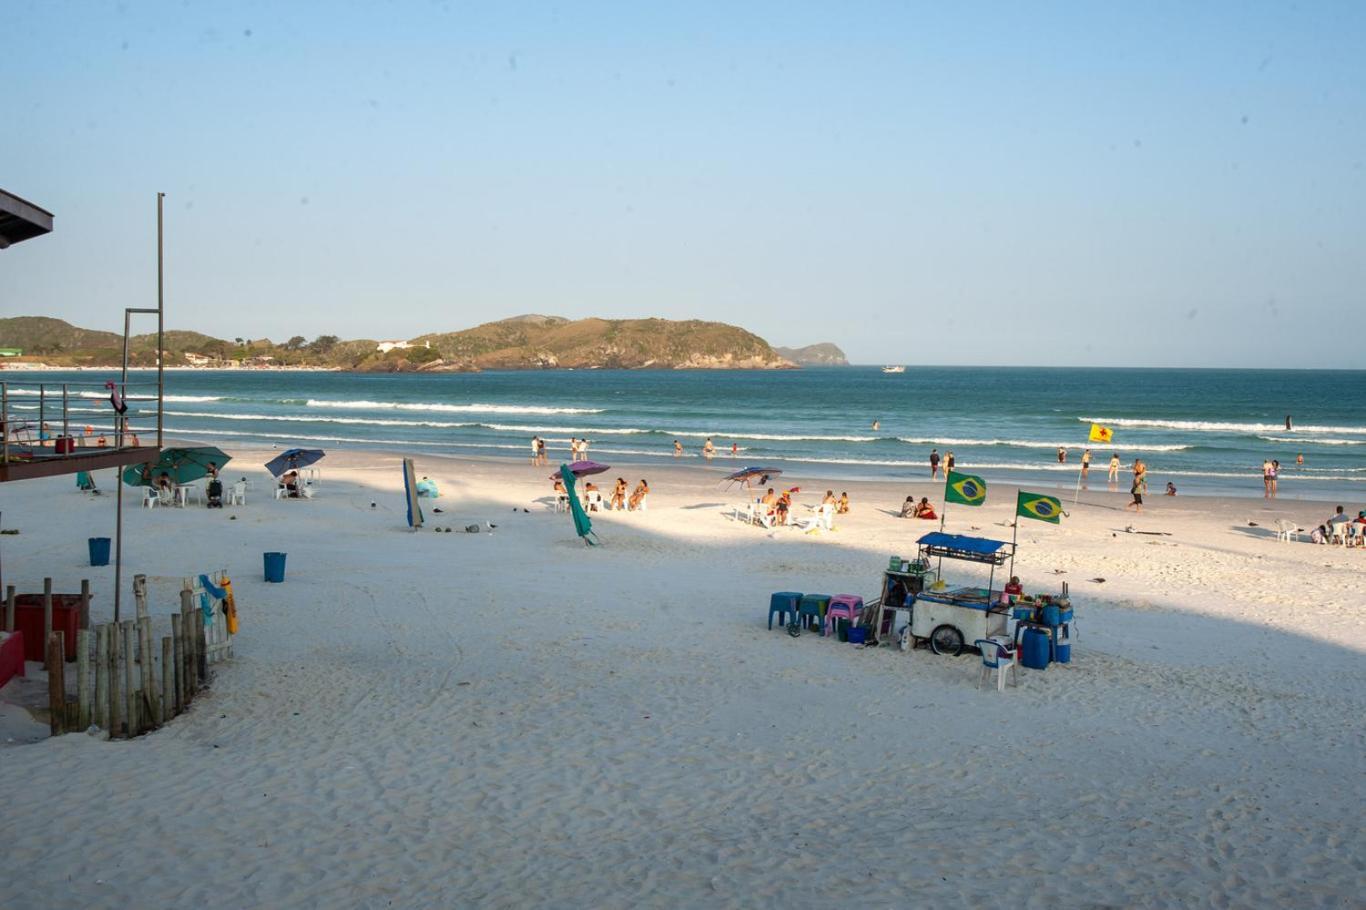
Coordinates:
column 125, row 684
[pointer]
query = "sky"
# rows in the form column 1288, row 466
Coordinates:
column 1156, row 184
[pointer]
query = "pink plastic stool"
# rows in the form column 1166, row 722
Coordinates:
column 848, row 606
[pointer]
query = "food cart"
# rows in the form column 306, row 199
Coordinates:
column 948, row 617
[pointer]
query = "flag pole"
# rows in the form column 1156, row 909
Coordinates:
column 943, row 517
column 1015, row 533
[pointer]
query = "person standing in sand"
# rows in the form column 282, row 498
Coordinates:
column 1275, row 473
column 535, row 450
column 934, row 463
column 1114, row 467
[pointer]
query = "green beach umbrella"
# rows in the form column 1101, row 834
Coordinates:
column 181, row 465
column 582, row 523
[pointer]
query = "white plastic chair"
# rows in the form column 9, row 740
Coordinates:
column 188, row 492
column 1287, row 530
column 166, row 495
column 997, row 657
column 150, row 498
column 238, row 496
column 562, row 502
column 1356, row 534
column 595, row 501
column 1337, row 532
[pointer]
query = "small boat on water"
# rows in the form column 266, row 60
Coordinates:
column 893, row 369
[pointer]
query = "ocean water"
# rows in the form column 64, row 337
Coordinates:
column 1204, row 430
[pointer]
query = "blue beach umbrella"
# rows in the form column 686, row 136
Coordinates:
column 292, row 460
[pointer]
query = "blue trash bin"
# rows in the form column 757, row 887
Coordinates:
column 1034, row 649
column 99, row 551
column 275, row 567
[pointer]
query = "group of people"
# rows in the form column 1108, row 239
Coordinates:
column 948, row 462
column 578, row 450
column 618, row 500
column 922, row 509
column 777, row 507
column 1338, row 525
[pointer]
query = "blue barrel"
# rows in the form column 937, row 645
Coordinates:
column 1034, row 649
column 99, row 551
column 275, row 567
column 858, row 635
column 1052, row 615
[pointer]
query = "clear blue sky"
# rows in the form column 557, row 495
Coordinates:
column 1163, row 184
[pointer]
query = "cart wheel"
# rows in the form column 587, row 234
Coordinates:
column 946, row 640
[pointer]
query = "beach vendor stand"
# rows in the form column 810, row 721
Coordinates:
column 951, row 617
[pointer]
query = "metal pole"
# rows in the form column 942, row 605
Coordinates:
column 4, row 420
column 42, row 415
column 161, row 318
column 118, row 542
column 65, row 433
column 123, row 380
column 1015, row 534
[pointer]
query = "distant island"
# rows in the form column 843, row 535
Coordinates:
column 824, row 354
column 520, row 343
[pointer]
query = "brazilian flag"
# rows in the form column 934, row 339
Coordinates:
column 1037, row 505
column 965, row 488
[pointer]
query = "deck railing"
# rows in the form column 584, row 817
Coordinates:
column 38, row 417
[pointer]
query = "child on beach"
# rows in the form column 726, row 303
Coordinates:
column 843, row 507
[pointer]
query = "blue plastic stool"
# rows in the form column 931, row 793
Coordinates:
column 812, row 611
column 784, row 603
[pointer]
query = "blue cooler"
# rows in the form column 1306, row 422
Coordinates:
column 1064, row 646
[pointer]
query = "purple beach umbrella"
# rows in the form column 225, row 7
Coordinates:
column 583, row 469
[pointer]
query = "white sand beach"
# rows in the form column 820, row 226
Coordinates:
column 512, row 719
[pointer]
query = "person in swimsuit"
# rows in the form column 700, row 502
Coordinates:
column 1114, row 467
column 934, row 463
column 1266, row 478
column 949, row 462
column 678, row 449
column 1062, row 455
column 1085, row 464
column 843, row 506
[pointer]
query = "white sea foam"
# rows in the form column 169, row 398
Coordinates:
column 446, row 408
column 1315, row 442
column 1214, row 426
column 1035, row 444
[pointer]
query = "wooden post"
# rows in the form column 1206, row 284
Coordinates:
column 130, row 693
column 83, row 679
column 47, row 613
column 84, row 621
column 9, row 608
column 201, row 651
column 187, row 624
column 115, row 682
column 140, row 594
column 102, row 677
column 150, row 690
column 56, row 683
column 167, row 679
column 177, row 668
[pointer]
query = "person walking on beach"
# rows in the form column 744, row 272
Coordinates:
column 1266, row 478
column 1114, row 467
column 1136, row 490
column 535, row 450
column 934, row 463
column 1275, row 472
column 678, row 449
column 540, row 451
column 1085, row 464
column 1062, row 455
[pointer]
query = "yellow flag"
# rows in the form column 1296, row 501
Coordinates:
column 1100, row 433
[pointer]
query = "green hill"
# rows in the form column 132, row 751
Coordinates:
column 824, row 354
column 522, row 342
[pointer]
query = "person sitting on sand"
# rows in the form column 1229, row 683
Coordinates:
column 908, row 508
column 923, row 509
column 618, row 500
column 1171, row 488
column 638, row 494
column 842, row 507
